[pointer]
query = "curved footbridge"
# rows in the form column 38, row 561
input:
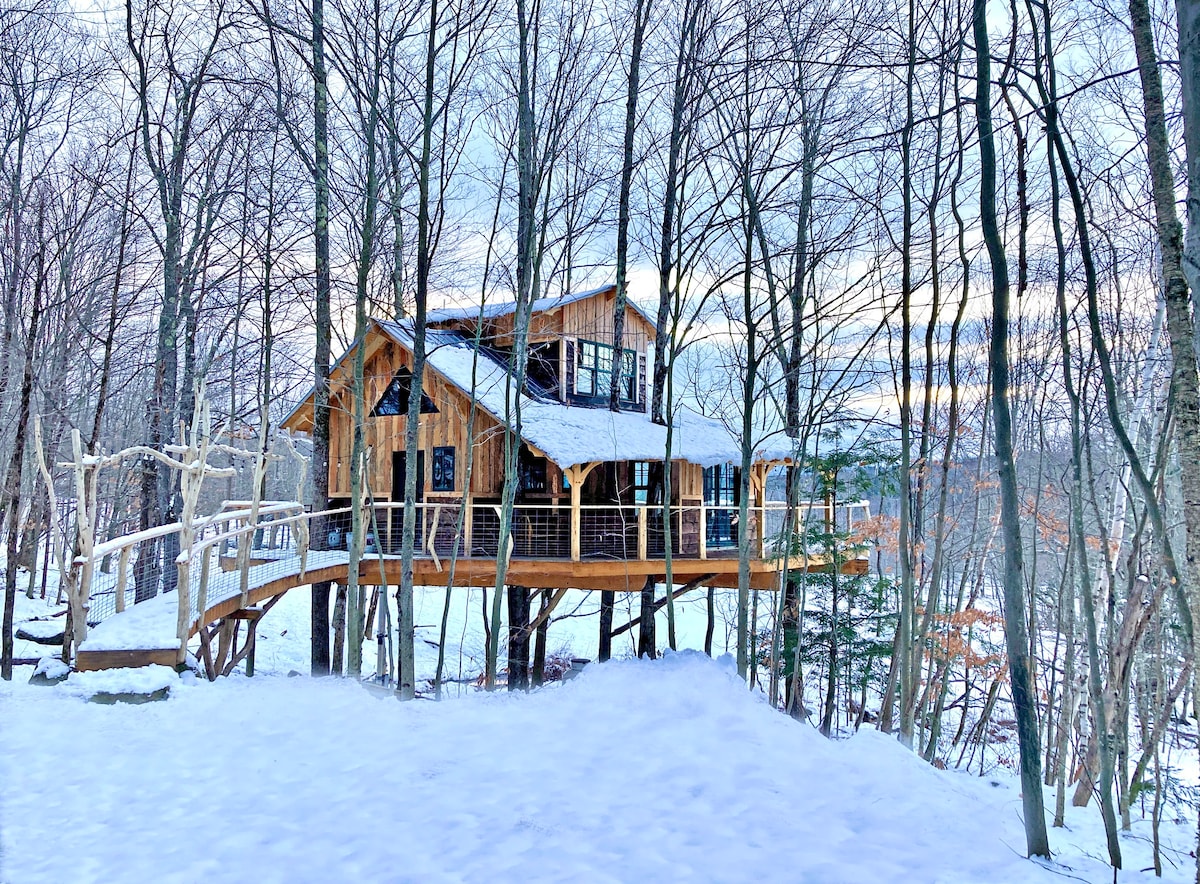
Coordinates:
column 233, row 566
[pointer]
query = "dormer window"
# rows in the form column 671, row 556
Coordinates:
column 593, row 372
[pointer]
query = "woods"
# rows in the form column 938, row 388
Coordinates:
column 935, row 259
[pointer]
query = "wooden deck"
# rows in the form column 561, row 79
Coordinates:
column 269, row 578
column 620, row 554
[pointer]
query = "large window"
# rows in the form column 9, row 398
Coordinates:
column 593, row 371
column 721, row 498
column 531, row 472
column 443, row 468
column 394, row 400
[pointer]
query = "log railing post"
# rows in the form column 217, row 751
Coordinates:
column 122, row 573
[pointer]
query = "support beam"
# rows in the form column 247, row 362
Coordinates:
column 576, row 476
column 660, row 603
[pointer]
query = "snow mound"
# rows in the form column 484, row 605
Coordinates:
column 139, row 680
column 636, row 770
column 52, row 667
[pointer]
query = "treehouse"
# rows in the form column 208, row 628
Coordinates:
column 599, row 504
column 589, row 507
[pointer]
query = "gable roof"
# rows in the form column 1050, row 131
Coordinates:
column 497, row 309
column 566, row 434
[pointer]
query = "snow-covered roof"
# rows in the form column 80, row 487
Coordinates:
column 568, row 434
column 504, row 308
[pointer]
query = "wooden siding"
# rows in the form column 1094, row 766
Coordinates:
column 385, row 435
column 588, row 318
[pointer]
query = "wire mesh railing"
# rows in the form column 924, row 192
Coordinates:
column 226, row 555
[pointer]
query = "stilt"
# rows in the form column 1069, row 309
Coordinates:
column 608, row 600
column 540, row 637
column 646, row 639
column 518, row 638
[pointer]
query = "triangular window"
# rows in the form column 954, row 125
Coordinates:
column 394, row 401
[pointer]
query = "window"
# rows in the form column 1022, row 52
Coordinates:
column 394, row 401
column 641, row 481
column 443, row 468
column 593, row 371
column 531, row 472
column 720, row 485
column 721, row 496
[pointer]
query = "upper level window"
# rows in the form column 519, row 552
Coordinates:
column 593, row 371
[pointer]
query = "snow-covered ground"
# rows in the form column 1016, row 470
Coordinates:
column 636, row 770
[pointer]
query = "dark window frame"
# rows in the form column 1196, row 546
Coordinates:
column 443, row 473
column 593, row 371
column 640, row 480
column 393, row 401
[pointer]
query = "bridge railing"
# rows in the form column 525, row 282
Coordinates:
column 226, row 555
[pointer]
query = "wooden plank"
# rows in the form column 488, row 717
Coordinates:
column 91, row 661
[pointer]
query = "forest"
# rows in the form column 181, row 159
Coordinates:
column 945, row 254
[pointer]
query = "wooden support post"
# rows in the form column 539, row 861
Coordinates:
column 183, row 609
column 641, row 528
column 122, row 573
column 703, row 531
column 576, row 476
column 759, row 487
column 202, row 591
column 576, row 517
column 468, row 518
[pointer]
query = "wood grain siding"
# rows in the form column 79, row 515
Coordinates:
column 385, row 434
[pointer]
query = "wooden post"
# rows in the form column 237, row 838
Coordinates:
column 122, row 572
column 703, row 530
column 576, row 476
column 183, row 621
column 468, row 518
column 759, row 487
column 202, row 597
column 576, row 517
column 641, row 528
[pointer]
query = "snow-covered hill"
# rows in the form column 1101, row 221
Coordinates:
column 668, row 770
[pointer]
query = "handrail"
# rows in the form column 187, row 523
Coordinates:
column 628, row 536
column 108, row 547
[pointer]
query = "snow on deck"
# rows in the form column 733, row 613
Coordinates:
column 666, row 770
column 151, row 625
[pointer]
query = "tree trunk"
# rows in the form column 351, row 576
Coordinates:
column 646, row 638
column 607, row 601
column 518, row 638
column 1015, row 623
column 322, row 331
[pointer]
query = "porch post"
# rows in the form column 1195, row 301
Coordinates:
column 576, row 520
column 576, row 476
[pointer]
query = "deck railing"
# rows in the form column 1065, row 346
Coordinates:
column 228, row 555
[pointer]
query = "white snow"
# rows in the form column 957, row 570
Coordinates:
column 51, row 667
column 43, row 628
column 494, row 309
column 666, row 770
column 151, row 625
column 566, row 434
column 140, row 680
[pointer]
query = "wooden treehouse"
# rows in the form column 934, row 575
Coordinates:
column 589, row 511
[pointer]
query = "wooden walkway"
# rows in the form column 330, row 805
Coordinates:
column 215, row 586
